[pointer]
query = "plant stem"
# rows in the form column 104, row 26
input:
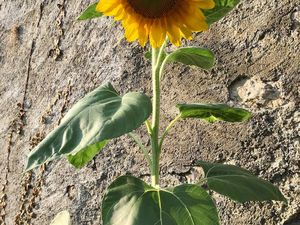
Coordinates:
column 167, row 130
column 202, row 181
column 142, row 147
column 157, row 59
column 148, row 125
column 163, row 64
column 155, row 118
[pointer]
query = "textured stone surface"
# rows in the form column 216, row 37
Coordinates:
column 48, row 61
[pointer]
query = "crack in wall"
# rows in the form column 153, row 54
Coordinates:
column 56, row 52
column 41, row 13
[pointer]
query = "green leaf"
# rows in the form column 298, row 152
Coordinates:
column 220, row 10
column 99, row 116
column 85, row 155
column 131, row 201
column 148, row 55
column 213, row 112
column 200, row 57
column 90, row 13
column 239, row 184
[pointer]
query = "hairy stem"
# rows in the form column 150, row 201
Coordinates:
column 162, row 67
column 155, row 118
column 157, row 59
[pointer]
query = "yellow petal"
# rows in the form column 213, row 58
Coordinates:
column 157, row 34
column 206, row 4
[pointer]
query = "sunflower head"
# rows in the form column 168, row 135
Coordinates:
column 154, row 20
column 152, row 9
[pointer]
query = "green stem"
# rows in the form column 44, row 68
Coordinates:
column 142, row 147
column 167, row 130
column 157, row 59
column 162, row 67
column 155, row 118
column 202, row 181
column 148, row 125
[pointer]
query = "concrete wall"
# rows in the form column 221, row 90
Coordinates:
column 48, row 61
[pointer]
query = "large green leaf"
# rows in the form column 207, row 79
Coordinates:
column 192, row 56
column 239, row 184
column 213, row 112
column 220, row 10
column 90, row 13
column 131, row 201
column 99, row 116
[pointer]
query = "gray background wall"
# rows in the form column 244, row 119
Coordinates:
column 48, row 61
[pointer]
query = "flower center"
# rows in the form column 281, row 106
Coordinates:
column 152, row 8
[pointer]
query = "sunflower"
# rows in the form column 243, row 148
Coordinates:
column 154, row 20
